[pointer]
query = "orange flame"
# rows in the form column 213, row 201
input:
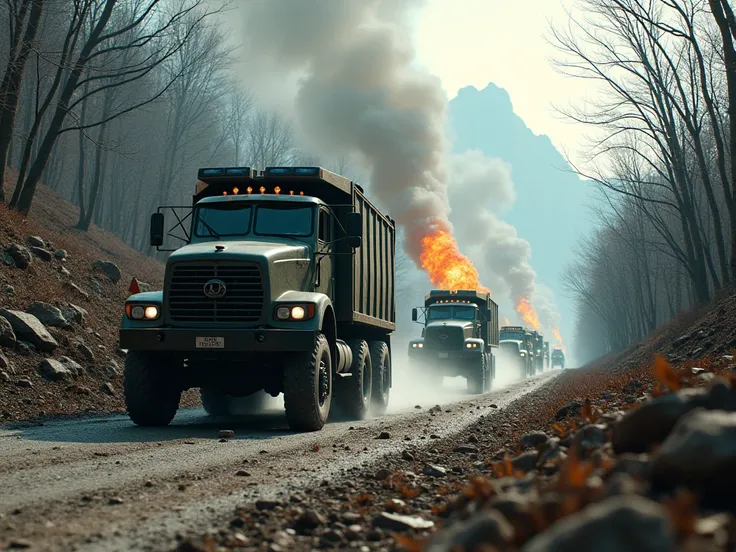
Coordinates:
column 558, row 337
column 506, row 321
column 527, row 312
column 446, row 266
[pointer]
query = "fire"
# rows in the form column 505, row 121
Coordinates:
column 527, row 312
column 558, row 337
column 446, row 266
column 506, row 321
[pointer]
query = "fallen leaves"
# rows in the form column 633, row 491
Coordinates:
column 665, row 374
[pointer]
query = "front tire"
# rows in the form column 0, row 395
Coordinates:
column 490, row 373
column 308, row 387
column 381, row 361
column 150, row 399
column 353, row 393
column 477, row 377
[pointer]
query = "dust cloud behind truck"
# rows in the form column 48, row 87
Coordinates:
column 517, row 345
column 285, row 284
column 460, row 331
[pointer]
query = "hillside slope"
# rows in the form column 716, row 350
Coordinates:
column 90, row 297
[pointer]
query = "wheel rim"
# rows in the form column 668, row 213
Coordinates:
column 324, row 382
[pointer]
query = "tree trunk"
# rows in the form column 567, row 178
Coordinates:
column 11, row 85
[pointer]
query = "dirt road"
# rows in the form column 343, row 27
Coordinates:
column 104, row 484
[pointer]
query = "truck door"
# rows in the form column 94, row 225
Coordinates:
column 326, row 278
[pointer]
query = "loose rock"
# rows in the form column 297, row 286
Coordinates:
column 28, row 328
column 619, row 524
column 108, row 389
column 533, row 439
column 682, row 458
column 227, row 434
column 485, row 528
column 36, row 241
column 41, row 253
column 7, row 335
column 109, row 269
column 53, row 370
column 397, row 522
column 19, row 256
column 432, row 470
column 48, row 315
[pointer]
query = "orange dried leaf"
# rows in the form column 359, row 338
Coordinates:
column 315, row 448
column 409, row 543
column 683, row 512
column 665, row 374
column 558, row 428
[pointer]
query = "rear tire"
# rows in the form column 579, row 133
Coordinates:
column 150, row 399
column 308, row 387
column 215, row 403
column 381, row 363
column 353, row 393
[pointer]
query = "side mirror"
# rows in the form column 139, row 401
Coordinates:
column 414, row 315
column 354, row 229
column 157, row 229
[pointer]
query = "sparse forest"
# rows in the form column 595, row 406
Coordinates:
column 660, row 152
column 114, row 104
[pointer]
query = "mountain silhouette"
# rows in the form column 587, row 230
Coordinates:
column 551, row 210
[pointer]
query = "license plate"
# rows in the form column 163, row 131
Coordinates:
column 210, row 343
column 444, row 355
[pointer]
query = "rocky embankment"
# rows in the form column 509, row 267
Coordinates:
column 603, row 458
column 61, row 297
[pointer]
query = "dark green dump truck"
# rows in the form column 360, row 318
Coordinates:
column 459, row 335
column 546, row 354
column 517, row 345
column 285, row 284
column 538, row 351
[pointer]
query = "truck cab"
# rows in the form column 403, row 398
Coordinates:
column 517, row 343
column 459, row 332
column 558, row 358
column 265, row 294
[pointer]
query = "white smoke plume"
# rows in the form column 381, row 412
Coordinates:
column 481, row 188
column 361, row 94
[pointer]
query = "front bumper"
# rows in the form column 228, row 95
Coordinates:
column 444, row 359
column 185, row 339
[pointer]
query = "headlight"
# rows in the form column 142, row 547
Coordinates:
column 417, row 345
column 471, row 345
column 141, row 311
column 522, row 353
column 295, row 312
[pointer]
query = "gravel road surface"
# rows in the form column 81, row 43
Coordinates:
column 104, row 484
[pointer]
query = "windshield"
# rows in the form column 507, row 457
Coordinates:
column 518, row 335
column 223, row 219
column 235, row 218
column 558, row 354
column 451, row 313
column 284, row 220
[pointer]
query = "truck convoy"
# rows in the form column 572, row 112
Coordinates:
column 546, row 355
column 516, row 343
column 459, row 334
column 285, row 284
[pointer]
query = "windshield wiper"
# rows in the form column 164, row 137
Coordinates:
column 213, row 233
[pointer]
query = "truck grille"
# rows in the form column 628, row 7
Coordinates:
column 243, row 300
column 433, row 338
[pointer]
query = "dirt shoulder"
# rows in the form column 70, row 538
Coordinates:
column 633, row 453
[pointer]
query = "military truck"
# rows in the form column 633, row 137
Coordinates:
column 546, row 355
column 460, row 331
column 558, row 358
column 285, row 284
column 538, row 351
column 516, row 342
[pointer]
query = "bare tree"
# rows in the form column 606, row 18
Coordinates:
column 270, row 139
column 24, row 17
column 92, row 36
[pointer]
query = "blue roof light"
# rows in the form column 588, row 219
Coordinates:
column 279, row 170
column 306, row 171
column 210, row 172
column 242, row 171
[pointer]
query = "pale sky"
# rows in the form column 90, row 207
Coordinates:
column 474, row 42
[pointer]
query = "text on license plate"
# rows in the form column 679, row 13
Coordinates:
column 444, row 355
column 210, row 343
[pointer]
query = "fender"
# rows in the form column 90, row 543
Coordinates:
column 148, row 298
column 321, row 302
